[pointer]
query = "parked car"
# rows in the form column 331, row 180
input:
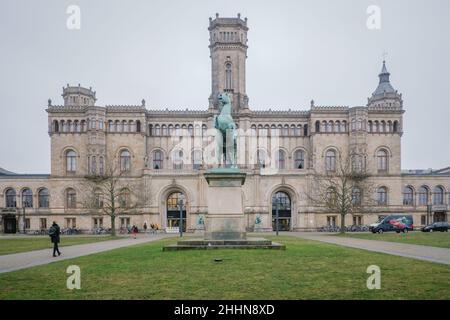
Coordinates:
column 397, row 223
column 437, row 226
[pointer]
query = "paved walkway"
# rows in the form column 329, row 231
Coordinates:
column 17, row 261
column 419, row 252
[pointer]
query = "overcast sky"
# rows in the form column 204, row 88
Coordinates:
column 158, row 50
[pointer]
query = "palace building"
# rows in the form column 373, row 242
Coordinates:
column 164, row 153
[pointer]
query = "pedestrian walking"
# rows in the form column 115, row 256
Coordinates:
column 135, row 231
column 152, row 228
column 54, row 233
column 145, row 227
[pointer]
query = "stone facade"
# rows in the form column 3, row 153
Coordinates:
column 280, row 152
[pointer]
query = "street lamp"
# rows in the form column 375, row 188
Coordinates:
column 24, row 221
column 277, row 215
column 428, row 213
column 180, row 204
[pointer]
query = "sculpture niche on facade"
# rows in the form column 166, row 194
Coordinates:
column 226, row 145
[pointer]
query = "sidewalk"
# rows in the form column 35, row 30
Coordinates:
column 17, row 261
column 419, row 252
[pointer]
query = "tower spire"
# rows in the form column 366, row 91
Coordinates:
column 384, row 85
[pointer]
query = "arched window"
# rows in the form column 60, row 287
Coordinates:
column 305, row 130
column 337, row 126
column 297, row 130
column 157, row 159
column 131, row 126
column 83, row 125
column 157, row 131
column 370, row 126
column 382, row 161
column 71, row 198
column 43, row 198
column 125, row 127
column 190, row 130
column 76, row 126
column 98, row 199
column 170, row 130
column 177, row 130
column 395, row 127
column 164, row 130
column 383, row 126
column 423, row 196
column 71, row 161
column 299, row 159
column 101, row 166
column 344, row 126
column 356, row 196
column 93, row 165
column 138, row 126
column 286, row 130
column 317, row 126
column 253, row 131
column 330, row 161
column 124, row 198
column 197, row 159
column 389, row 126
column 261, row 157
column 382, row 196
column 204, row 129
column 330, row 126
column 55, row 126
column 10, row 196
column 27, row 198
column 228, row 77
column 408, row 196
column 125, row 160
column 438, row 196
column 177, row 159
column 281, row 159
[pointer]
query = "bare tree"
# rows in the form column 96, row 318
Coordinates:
column 112, row 193
column 344, row 190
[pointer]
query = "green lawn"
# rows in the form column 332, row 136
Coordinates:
column 435, row 239
column 15, row 245
column 305, row 270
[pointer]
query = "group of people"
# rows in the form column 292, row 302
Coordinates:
column 153, row 227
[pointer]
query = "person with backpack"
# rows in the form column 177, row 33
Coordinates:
column 54, row 233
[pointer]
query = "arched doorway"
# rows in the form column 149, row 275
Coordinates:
column 173, row 210
column 10, row 223
column 283, row 201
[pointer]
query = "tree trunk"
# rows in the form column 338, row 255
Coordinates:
column 113, row 225
column 343, row 214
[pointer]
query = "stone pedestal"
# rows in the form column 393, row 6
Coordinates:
column 225, row 222
column 225, row 219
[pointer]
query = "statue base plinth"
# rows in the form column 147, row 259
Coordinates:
column 225, row 219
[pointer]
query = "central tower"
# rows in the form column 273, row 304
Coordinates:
column 228, row 52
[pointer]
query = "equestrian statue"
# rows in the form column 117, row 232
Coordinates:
column 226, row 134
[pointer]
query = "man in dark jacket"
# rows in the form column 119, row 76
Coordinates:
column 54, row 233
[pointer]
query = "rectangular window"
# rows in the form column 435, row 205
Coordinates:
column 331, row 221
column 43, row 223
column 27, row 223
column 71, row 222
column 423, row 220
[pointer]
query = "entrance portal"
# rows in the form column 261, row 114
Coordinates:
column 10, row 223
column 440, row 217
column 173, row 210
column 283, row 201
